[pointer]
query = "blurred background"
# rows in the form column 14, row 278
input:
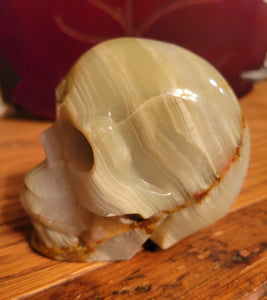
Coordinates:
column 41, row 39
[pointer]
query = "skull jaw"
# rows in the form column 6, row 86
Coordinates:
column 67, row 247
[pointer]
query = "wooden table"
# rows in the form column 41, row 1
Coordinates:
column 227, row 260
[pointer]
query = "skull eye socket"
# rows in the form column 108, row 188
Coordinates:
column 78, row 152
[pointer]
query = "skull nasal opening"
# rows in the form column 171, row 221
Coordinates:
column 78, row 152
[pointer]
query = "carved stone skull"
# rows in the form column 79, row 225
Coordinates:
column 149, row 142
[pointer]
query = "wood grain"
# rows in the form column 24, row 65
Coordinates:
column 227, row 260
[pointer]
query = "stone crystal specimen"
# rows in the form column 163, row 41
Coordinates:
column 149, row 143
